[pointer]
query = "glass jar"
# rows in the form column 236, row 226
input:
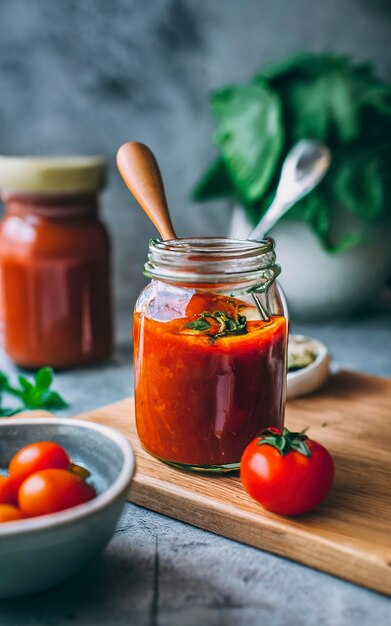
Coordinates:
column 54, row 263
column 210, row 344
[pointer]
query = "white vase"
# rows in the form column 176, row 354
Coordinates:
column 319, row 284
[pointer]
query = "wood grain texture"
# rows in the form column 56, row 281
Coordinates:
column 140, row 171
column 348, row 535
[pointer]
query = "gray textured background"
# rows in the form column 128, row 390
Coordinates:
column 83, row 76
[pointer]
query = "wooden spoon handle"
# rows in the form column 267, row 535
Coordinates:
column 140, row 171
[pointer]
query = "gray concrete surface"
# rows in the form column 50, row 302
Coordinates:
column 159, row 572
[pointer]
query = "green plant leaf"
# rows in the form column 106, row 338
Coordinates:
column 4, row 381
column 25, row 384
column 378, row 97
column 304, row 64
column 200, row 324
column 54, row 401
column 4, row 412
column 325, row 96
column 314, row 210
column 31, row 395
column 215, row 183
column 321, row 96
column 324, row 107
column 288, row 66
column 345, row 242
column 249, row 135
column 228, row 325
column 360, row 184
column 44, row 378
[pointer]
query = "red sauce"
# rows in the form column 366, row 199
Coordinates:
column 55, row 291
column 199, row 403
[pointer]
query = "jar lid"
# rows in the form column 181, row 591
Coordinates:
column 70, row 174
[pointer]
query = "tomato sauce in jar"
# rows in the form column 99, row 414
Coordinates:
column 54, row 267
column 209, row 373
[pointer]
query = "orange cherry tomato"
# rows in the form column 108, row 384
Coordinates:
column 9, row 513
column 38, row 456
column 9, row 490
column 52, row 490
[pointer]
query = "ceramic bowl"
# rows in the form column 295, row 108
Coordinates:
column 319, row 284
column 41, row 552
column 310, row 378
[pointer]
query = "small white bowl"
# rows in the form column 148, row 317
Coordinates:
column 311, row 377
column 40, row 552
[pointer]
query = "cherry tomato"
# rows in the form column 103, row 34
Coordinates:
column 287, row 473
column 9, row 490
column 9, row 513
column 38, row 456
column 52, row 490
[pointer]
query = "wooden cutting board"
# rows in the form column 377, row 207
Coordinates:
column 349, row 535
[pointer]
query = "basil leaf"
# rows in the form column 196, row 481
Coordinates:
column 24, row 383
column 321, row 96
column 53, row 401
column 200, row 324
column 288, row 66
column 303, row 64
column 323, row 106
column 4, row 381
column 31, row 395
column 215, row 183
column 360, row 183
column 227, row 325
column 314, row 210
column 4, row 412
column 249, row 135
column 44, row 378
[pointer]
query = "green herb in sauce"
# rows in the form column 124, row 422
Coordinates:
column 227, row 325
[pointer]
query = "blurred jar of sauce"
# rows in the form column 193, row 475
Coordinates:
column 54, row 262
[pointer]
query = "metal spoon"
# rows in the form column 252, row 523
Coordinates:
column 304, row 167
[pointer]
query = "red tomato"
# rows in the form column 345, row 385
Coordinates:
column 9, row 513
column 9, row 490
column 52, row 490
column 287, row 473
column 38, row 456
column 3, row 480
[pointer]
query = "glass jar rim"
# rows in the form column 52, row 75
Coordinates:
column 213, row 260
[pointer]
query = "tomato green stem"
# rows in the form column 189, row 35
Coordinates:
column 285, row 442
